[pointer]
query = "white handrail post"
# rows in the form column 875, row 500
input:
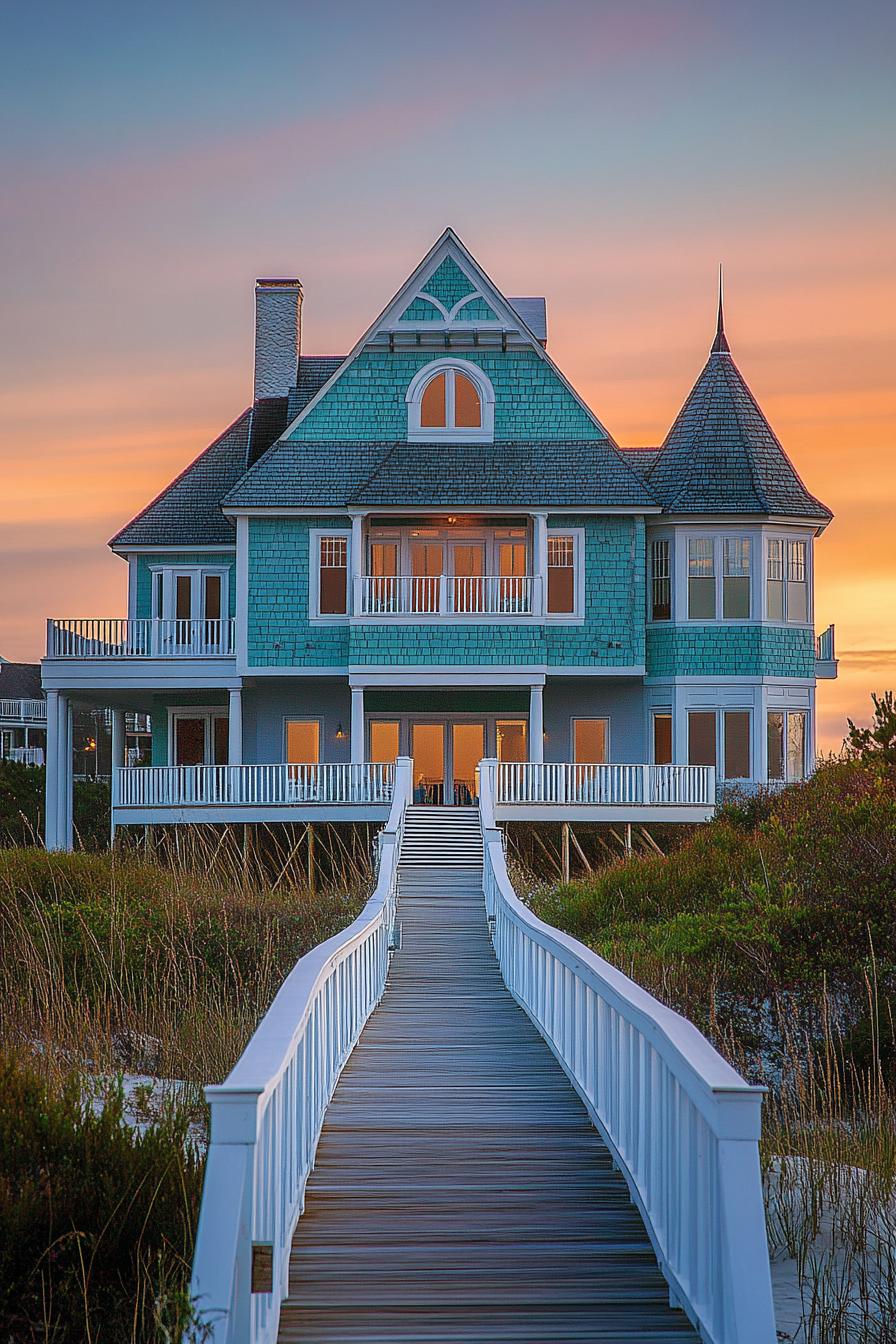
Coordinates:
column 747, row 1295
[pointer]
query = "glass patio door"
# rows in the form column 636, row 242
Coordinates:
column 428, row 752
column 467, row 576
column 426, row 568
column 467, row 750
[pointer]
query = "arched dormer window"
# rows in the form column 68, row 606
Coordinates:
column 451, row 399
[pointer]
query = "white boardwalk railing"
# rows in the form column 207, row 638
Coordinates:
column 682, row 1125
column 251, row 785
column 604, row 785
column 141, row 638
column 266, row 1118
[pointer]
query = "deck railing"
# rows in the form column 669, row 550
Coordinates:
column 26, row 755
column 681, row 1124
column 252, row 785
column 24, row 711
column 605, row 785
column 824, row 646
column 144, row 638
column 266, row 1117
column 445, row 595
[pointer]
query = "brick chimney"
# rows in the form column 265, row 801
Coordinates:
column 278, row 336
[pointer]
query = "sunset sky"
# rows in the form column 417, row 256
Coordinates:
column 158, row 158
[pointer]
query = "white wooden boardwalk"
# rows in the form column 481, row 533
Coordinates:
column 460, row 1192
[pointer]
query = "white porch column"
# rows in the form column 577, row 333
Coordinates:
column 357, row 728
column 64, row 777
column 235, row 729
column 540, row 563
column 53, row 760
column 118, row 759
column 536, row 724
column 357, row 563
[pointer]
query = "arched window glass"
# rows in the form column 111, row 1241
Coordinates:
column 434, row 403
column 451, row 399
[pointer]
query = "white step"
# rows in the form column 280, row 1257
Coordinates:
column 441, row 837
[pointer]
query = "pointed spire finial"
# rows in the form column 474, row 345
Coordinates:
column 720, row 344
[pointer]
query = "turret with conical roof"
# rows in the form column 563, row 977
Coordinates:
column 721, row 454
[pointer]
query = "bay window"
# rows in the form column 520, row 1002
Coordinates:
column 797, row 582
column 701, row 579
column 721, row 733
column 736, row 743
column 787, row 579
column 736, row 578
column 787, row 738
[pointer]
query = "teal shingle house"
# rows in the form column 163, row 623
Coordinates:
column 431, row 547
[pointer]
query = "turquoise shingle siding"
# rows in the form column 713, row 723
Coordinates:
column 477, row 310
column 421, row 310
column 730, row 651
column 279, row 632
column 145, row 564
column 448, row 283
column 367, row 402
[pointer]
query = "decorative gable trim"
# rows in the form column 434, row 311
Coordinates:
column 509, row 325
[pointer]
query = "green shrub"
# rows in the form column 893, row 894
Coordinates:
column 22, row 807
column 97, row 1220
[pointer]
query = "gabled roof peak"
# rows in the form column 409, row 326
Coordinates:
column 720, row 345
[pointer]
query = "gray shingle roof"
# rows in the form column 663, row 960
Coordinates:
column 314, row 371
column 530, row 473
column 20, row 681
column 188, row 510
column 642, row 460
column 722, row 456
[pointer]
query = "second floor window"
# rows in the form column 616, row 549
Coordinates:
column 701, row 579
column 561, row 575
column 736, row 578
column 660, row 580
column 333, row 584
column 787, row 579
column 450, row 399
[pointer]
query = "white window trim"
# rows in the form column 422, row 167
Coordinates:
column 314, row 612
column 206, row 712
column 589, row 718
column 680, row 585
column 577, row 615
column 304, row 718
column 784, row 538
column 483, row 433
column 198, row 574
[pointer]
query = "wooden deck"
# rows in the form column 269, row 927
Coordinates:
column 460, row 1191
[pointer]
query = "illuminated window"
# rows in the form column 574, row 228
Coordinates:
column 302, row 741
column 662, row 738
column 450, row 399
column 384, row 736
column 589, row 741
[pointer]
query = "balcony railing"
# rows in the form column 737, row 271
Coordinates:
column 445, row 595
column 605, row 785
column 824, row 646
column 121, row 638
column 26, row 755
column 253, row 785
column 24, row 711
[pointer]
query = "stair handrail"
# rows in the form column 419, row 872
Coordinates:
column 267, row 1116
column 682, row 1125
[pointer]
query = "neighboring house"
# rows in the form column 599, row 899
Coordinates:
column 432, row 547
column 23, row 713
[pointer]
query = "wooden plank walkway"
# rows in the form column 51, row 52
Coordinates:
column 460, row 1191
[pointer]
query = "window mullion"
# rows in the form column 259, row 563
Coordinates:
column 449, row 399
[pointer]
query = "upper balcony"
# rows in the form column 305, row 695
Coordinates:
column 825, row 658
column 116, row 638
column 447, row 595
column 24, row 712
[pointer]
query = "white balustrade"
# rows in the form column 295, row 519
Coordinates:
column 824, row 646
column 682, row 1125
column 143, row 638
column 529, row 782
column 26, row 755
column 252, row 785
column 24, row 711
column 444, row 595
column 266, row 1117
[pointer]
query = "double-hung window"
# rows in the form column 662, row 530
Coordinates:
column 332, row 573
column 736, row 578
column 787, row 579
column 661, row 580
column 721, row 734
column 562, row 579
column 701, row 579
